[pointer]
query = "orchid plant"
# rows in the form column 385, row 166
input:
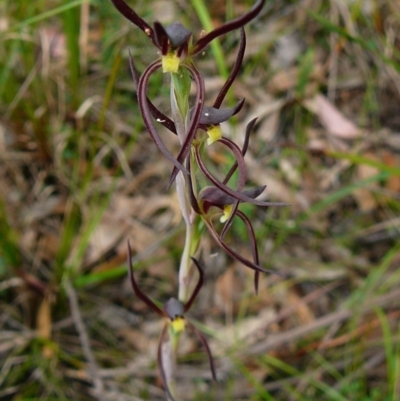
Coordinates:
column 197, row 127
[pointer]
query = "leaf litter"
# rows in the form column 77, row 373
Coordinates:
column 336, row 243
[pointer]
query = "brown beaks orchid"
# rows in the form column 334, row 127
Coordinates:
column 200, row 116
column 221, row 198
column 174, row 311
column 173, row 41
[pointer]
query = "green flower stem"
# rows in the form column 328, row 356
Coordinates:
column 184, row 268
column 180, row 91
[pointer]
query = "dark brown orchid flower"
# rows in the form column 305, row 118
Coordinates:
column 222, row 198
column 174, row 310
column 213, row 129
column 173, row 41
column 203, row 117
column 169, row 124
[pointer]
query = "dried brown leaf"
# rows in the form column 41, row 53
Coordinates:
column 44, row 324
column 392, row 160
column 331, row 118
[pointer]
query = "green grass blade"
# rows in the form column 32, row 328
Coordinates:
column 216, row 48
column 46, row 15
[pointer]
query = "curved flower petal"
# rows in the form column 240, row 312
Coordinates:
column 232, row 75
column 191, row 132
column 138, row 292
column 249, row 128
column 130, row 15
column 213, row 116
column 206, row 347
column 229, row 191
column 239, row 159
column 253, row 245
column 199, row 284
column 146, row 114
column 228, row 27
column 214, row 196
column 156, row 113
column 191, row 194
column 234, row 254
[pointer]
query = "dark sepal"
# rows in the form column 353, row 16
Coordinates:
column 249, row 128
column 235, row 194
column 253, row 245
column 191, row 194
column 236, row 255
column 199, row 284
column 138, row 292
column 193, row 125
column 206, row 347
column 147, row 118
column 232, row 75
column 214, row 116
column 131, row 16
column 214, row 196
column 228, row 27
column 157, row 114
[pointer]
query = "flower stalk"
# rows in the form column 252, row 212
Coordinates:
column 197, row 127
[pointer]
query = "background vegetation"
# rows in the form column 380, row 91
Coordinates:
column 79, row 176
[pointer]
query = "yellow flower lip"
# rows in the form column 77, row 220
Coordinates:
column 227, row 213
column 178, row 324
column 170, row 62
column 214, row 134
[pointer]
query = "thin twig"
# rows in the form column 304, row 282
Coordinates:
column 273, row 341
column 85, row 341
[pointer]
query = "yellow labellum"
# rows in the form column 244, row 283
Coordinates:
column 214, row 134
column 170, row 63
column 227, row 212
column 178, row 325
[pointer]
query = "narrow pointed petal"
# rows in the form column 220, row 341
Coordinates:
column 199, row 284
column 256, row 281
column 236, row 255
column 235, row 194
column 146, row 114
column 206, row 347
column 191, row 194
column 131, row 16
column 214, row 196
column 138, row 292
column 161, row 117
column 157, row 114
column 192, row 129
column 232, row 75
column 239, row 160
column 253, row 245
column 214, row 116
column 249, row 128
column 161, row 364
column 228, row 27
column 161, row 37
